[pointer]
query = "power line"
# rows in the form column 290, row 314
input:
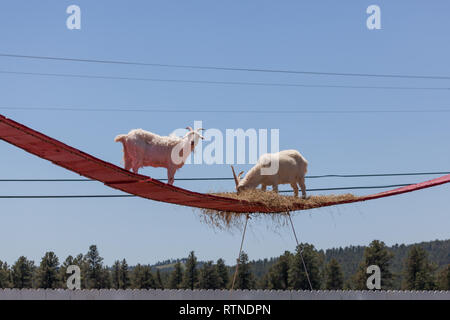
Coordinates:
column 70, row 196
column 130, row 195
column 265, row 84
column 235, row 111
column 317, row 73
column 229, row 179
column 379, row 174
column 355, row 188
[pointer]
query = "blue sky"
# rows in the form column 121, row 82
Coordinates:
column 326, row 36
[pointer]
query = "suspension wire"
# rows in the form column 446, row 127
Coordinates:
column 131, row 195
column 354, row 188
column 196, row 179
column 215, row 110
column 240, row 252
column 300, row 251
column 378, row 174
column 69, row 196
column 123, row 62
column 227, row 178
column 239, row 83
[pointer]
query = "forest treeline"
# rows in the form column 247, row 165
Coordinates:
column 424, row 266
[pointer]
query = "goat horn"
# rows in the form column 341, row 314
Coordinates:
column 189, row 128
column 236, row 180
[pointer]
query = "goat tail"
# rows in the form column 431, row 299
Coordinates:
column 120, row 138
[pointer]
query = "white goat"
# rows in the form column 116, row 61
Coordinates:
column 142, row 148
column 292, row 168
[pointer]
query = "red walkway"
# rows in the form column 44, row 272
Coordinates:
column 115, row 177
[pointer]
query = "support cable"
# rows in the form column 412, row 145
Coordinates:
column 240, row 252
column 300, row 251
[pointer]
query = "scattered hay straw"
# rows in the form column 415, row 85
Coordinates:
column 280, row 205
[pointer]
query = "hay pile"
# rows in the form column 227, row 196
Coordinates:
column 272, row 201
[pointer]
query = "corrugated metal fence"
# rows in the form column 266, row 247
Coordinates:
column 61, row 294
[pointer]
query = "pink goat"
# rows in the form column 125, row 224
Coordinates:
column 142, row 148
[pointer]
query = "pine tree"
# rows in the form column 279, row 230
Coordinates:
column 209, row 278
column 298, row 279
column 334, row 276
column 124, row 275
column 143, row 277
column 190, row 276
column 81, row 261
column 419, row 272
column 176, row 277
column 278, row 275
column 244, row 277
column 63, row 275
column 444, row 278
column 47, row 273
column 222, row 272
column 375, row 254
column 78, row 261
column 5, row 275
column 95, row 272
column 22, row 273
column 105, row 278
column 263, row 282
column 158, row 281
column 115, row 276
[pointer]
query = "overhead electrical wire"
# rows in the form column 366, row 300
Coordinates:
column 265, row 84
column 69, row 196
column 231, row 178
column 232, row 111
column 215, row 179
column 130, row 195
column 265, row 70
